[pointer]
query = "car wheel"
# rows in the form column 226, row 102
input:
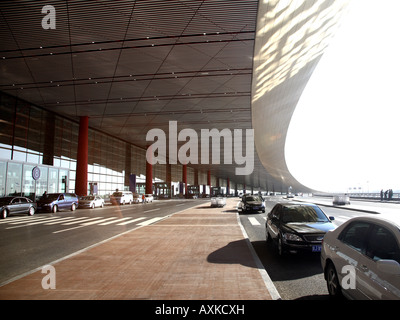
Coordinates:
column 102, row 205
column 73, row 207
column 4, row 214
column 55, row 209
column 31, row 211
column 92, row 206
column 332, row 282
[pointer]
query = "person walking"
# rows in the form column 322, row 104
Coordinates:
column 381, row 194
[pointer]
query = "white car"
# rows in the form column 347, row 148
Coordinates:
column 91, row 202
column 148, row 198
column 361, row 259
column 218, row 201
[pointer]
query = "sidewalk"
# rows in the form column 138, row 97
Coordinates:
column 197, row 254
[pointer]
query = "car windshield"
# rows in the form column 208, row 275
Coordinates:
column 303, row 214
column 252, row 198
column 88, row 198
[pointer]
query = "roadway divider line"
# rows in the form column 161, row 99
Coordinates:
column 63, row 230
column 151, row 210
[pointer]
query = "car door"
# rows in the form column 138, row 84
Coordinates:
column 24, row 205
column 381, row 245
column 15, row 206
column 61, row 202
column 274, row 221
column 349, row 255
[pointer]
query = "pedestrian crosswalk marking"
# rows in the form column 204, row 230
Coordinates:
column 131, row 221
column 118, row 220
column 79, row 221
column 254, row 221
column 146, row 223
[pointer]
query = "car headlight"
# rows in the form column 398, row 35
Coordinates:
column 292, row 237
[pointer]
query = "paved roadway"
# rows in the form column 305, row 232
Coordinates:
column 28, row 243
column 299, row 276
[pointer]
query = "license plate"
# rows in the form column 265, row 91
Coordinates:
column 316, row 248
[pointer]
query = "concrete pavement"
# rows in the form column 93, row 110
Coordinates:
column 201, row 253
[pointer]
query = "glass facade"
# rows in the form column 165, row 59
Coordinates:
column 32, row 137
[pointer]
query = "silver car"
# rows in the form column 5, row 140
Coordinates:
column 91, row 202
column 361, row 259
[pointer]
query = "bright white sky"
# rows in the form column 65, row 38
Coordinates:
column 346, row 127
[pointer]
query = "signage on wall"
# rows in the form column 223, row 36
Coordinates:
column 35, row 173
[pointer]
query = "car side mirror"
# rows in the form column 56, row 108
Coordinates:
column 331, row 218
column 388, row 266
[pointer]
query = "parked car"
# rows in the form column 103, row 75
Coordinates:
column 218, row 201
column 341, row 200
column 251, row 203
column 137, row 198
column 91, row 202
column 297, row 227
column 12, row 205
column 148, row 198
column 54, row 202
column 370, row 246
column 121, row 197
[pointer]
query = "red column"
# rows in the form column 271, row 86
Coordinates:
column 81, row 181
column 149, row 177
column 184, row 179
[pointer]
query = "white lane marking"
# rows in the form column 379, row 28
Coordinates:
column 80, row 220
column 254, row 221
column 114, row 221
column 61, row 220
column 131, row 221
column 97, row 221
column 32, row 223
column 36, row 220
column 146, row 223
column 151, row 210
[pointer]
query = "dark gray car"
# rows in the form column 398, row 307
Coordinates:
column 54, row 202
column 12, row 205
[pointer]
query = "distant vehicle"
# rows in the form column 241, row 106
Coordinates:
column 369, row 245
column 91, row 202
column 297, row 227
column 251, row 203
column 148, row 198
column 137, row 198
column 12, row 205
column 121, row 197
column 54, row 202
column 341, row 200
column 218, row 201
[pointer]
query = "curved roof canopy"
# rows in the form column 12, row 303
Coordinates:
column 133, row 66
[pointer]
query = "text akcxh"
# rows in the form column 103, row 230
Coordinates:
column 189, row 151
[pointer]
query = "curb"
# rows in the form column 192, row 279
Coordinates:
column 264, row 274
